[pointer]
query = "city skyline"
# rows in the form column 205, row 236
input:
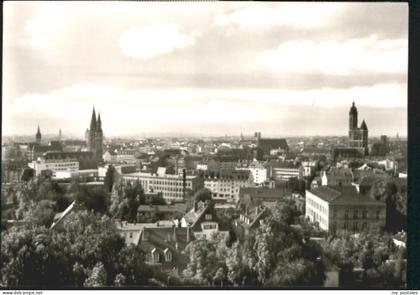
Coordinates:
column 216, row 70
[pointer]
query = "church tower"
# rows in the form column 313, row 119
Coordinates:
column 352, row 119
column 91, row 140
column 99, row 139
column 38, row 136
column 364, row 131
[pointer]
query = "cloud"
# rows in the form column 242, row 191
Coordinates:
column 294, row 14
column 330, row 57
column 147, row 42
column 43, row 32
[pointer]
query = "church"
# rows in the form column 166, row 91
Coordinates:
column 358, row 136
column 94, row 136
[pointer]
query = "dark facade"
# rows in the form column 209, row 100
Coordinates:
column 94, row 136
column 358, row 136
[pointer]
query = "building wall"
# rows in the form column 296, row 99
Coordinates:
column 357, row 217
column 317, row 210
column 54, row 166
column 226, row 189
column 283, row 173
column 350, row 217
column 171, row 186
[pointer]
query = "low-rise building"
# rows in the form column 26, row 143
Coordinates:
column 282, row 170
column 172, row 187
column 258, row 171
column 225, row 184
column 336, row 176
column 67, row 165
column 342, row 208
column 203, row 221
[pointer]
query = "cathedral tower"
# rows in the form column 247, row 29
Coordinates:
column 38, row 136
column 99, row 138
column 91, row 141
column 94, row 136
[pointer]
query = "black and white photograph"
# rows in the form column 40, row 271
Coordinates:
column 204, row 145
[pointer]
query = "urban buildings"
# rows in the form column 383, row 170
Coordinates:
column 172, row 187
column 337, row 208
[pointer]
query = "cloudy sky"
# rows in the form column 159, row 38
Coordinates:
column 212, row 68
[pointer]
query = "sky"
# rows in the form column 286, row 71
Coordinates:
column 210, row 68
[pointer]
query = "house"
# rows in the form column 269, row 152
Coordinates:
column 203, row 221
column 249, row 220
column 251, row 197
column 164, row 248
column 337, row 176
column 343, row 208
column 282, row 170
column 225, row 184
column 151, row 213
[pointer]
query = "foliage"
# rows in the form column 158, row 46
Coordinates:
column 370, row 252
column 125, row 200
column 110, row 178
column 203, row 195
column 87, row 251
column 92, row 198
column 276, row 253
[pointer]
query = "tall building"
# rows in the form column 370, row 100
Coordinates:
column 94, row 136
column 38, row 136
column 358, row 136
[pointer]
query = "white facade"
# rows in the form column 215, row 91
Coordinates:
column 258, row 171
column 226, row 189
column 171, row 186
column 54, row 165
column 317, row 210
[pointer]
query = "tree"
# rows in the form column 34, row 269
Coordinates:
column 95, row 199
column 203, row 195
column 110, row 177
column 97, row 278
column 125, row 200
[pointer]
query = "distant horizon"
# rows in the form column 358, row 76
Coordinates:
column 204, row 67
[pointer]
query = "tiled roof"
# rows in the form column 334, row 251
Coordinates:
column 273, row 143
column 342, row 195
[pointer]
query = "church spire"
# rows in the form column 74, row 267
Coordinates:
column 93, row 120
column 38, row 135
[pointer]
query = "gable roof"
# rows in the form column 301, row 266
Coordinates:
column 343, row 195
column 273, row 143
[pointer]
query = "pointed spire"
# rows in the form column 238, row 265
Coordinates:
column 99, row 117
column 93, row 120
column 363, row 125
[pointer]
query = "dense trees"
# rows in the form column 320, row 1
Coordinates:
column 275, row 254
column 125, row 200
column 395, row 198
column 86, row 252
column 377, row 256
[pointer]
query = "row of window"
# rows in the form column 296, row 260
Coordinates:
column 355, row 226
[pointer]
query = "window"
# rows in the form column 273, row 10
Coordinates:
column 208, row 216
column 131, row 235
column 364, row 225
column 355, row 226
column 346, row 214
column 168, row 256
column 209, row 226
column 378, row 213
column 364, row 214
column 355, row 214
column 334, row 226
column 334, row 213
column 346, row 225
